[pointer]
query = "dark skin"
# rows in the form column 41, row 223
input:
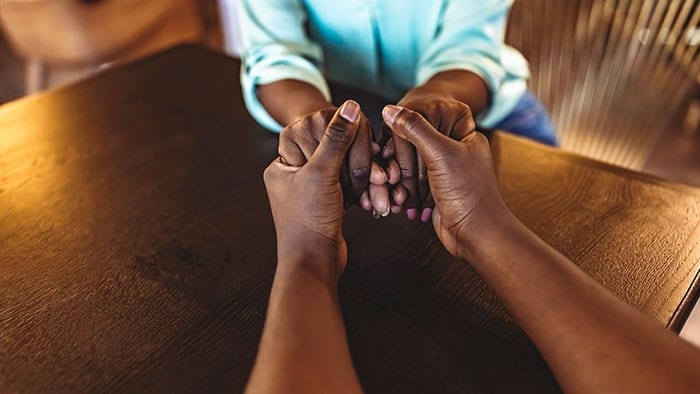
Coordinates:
column 303, row 347
column 592, row 341
column 303, row 136
column 291, row 101
column 446, row 100
column 288, row 100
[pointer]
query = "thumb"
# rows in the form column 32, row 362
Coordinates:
column 414, row 128
column 337, row 138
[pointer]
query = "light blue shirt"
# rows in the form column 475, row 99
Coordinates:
column 384, row 46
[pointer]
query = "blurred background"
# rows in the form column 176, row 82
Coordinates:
column 619, row 77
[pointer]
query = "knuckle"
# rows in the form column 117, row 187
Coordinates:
column 360, row 172
column 322, row 117
column 300, row 123
column 287, row 139
column 409, row 119
column 427, row 106
column 268, row 174
column 316, row 116
column 481, row 138
column 474, row 139
column 408, row 175
column 461, row 110
column 465, row 109
column 288, row 131
column 282, row 145
column 442, row 105
column 337, row 133
column 306, row 140
column 296, row 132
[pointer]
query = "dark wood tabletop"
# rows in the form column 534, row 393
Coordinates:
column 137, row 247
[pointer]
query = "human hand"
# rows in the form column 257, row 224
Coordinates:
column 461, row 175
column 364, row 181
column 307, row 200
column 451, row 118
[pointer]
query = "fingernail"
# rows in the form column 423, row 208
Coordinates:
column 396, row 209
column 426, row 215
column 393, row 172
column 350, row 111
column 399, row 198
column 377, row 175
column 388, row 211
column 411, row 213
column 365, row 203
column 390, row 112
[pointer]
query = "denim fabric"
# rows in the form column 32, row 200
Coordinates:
column 529, row 119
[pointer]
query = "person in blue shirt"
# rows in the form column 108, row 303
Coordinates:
column 445, row 59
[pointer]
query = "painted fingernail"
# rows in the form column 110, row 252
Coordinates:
column 426, row 215
column 350, row 111
column 411, row 213
column 396, row 209
column 390, row 112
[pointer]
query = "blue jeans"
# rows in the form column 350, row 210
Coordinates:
column 529, row 119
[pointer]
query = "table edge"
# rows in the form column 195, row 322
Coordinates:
column 590, row 162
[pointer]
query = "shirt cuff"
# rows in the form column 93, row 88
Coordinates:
column 265, row 72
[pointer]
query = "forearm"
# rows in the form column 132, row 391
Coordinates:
column 303, row 346
column 460, row 85
column 592, row 341
column 290, row 99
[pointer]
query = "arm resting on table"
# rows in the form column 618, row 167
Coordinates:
column 593, row 341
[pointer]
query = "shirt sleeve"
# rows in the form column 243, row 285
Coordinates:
column 275, row 47
column 470, row 37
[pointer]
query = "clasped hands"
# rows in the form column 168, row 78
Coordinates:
column 387, row 178
column 318, row 166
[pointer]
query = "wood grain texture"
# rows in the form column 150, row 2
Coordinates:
column 137, row 247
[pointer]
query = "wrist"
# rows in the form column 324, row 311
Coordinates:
column 288, row 100
column 320, row 258
column 458, row 85
column 427, row 92
column 493, row 232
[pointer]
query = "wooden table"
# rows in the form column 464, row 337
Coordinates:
column 137, row 247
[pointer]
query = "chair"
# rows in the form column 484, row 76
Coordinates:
column 615, row 74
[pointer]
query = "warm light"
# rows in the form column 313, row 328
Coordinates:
column 31, row 168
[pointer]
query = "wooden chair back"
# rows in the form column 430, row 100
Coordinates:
column 615, row 74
